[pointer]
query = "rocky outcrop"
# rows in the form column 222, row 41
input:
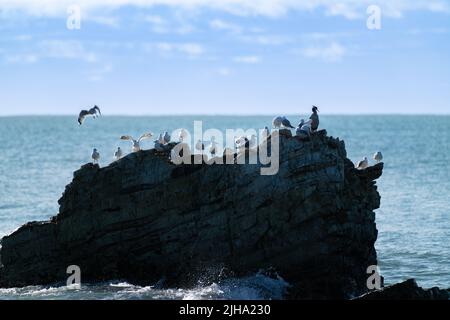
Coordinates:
column 407, row 290
column 143, row 219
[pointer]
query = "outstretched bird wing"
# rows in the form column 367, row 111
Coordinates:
column 97, row 109
column 93, row 111
column 147, row 135
column 82, row 115
column 126, row 138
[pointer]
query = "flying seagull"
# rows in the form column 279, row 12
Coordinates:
column 95, row 156
column 363, row 164
column 136, row 147
column 94, row 112
column 378, row 157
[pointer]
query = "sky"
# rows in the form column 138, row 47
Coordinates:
column 177, row 57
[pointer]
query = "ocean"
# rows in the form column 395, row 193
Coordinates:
column 40, row 153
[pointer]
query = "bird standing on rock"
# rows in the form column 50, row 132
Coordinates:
column 286, row 123
column 183, row 134
column 199, row 145
column 118, row 154
column 378, row 157
column 363, row 164
column 213, row 148
column 136, row 146
column 304, row 128
column 314, row 119
column 266, row 132
column 277, row 122
column 95, row 156
column 94, row 112
column 166, row 137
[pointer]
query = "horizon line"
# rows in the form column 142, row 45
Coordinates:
column 222, row 114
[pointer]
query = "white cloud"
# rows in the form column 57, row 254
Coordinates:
column 190, row 49
column 331, row 53
column 267, row 40
column 98, row 74
column 218, row 24
column 224, row 71
column 248, row 59
column 109, row 21
column 23, row 37
column 22, row 58
column 161, row 25
column 67, row 49
column 271, row 8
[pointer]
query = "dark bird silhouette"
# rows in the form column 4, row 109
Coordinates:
column 94, row 112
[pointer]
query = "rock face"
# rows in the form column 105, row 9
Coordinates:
column 143, row 218
column 407, row 290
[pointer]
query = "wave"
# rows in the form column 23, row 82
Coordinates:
column 255, row 287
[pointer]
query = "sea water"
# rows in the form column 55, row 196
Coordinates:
column 39, row 155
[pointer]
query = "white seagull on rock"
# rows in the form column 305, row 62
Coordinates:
column 183, row 134
column 118, row 154
column 363, row 164
column 94, row 112
column 378, row 157
column 199, row 145
column 136, row 147
column 266, row 132
column 277, row 122
column 304, row 128
column 252, row 142
column 95, row 155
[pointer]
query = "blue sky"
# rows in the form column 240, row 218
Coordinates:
column 224, row 57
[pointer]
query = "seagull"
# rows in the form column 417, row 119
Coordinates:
column 286, row 123
column 242, row 142
column 378, row 157
column 199, row 145
column 94, row 112
column 252, row 141
column 183, row 134
column 303, row 128
column 95, row 155
column 212, row 148
column 160, row 139
column 266, row 132
column 277, row 122
column 166, row 137
column 315, row 118
column 118, row 154
column 363, row 164
column 136, row 147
